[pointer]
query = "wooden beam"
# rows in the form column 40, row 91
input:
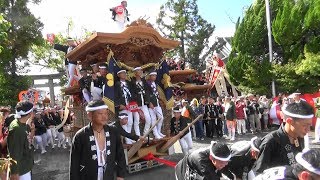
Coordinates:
column 47, row 76
column 45, row 85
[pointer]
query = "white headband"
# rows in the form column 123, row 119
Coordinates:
column 306, row 165
column 297, row 115
column 177, row 111
column 103, row 67
column 218, row 158
column 90, row 109
column 21, row 113
column 123, row 116
column 121, row 71
column 153, row 73
column 137, row 68
column 252, row 144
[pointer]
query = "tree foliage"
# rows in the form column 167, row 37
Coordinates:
column 4, row 26
column 45, row 56
column 25, row 31
column 180, row 20
column 296, row 38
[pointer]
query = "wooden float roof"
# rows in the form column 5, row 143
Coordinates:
column 138, row 44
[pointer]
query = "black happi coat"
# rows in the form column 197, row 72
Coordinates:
column 64, row 49
column 177, row 126
column 99, row 82
column 40, row 126
column 241, row 161
column 85, row 83
column 276, row 150
column 49, row 120
column 84, row 162
column 197, row 162
column 212, row 111
column 154, row 99
column 119, row 98
column 145, row 90
column 204, row 109
column 278, row 173
column 58, row 120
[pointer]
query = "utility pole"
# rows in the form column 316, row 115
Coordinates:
column 273, row 86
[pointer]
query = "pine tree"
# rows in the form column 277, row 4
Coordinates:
column 180, row 20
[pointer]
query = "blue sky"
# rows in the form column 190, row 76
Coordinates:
column 215, row 11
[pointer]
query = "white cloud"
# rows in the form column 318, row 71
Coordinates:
column 94, row 16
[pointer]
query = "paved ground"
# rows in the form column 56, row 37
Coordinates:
column 54, row 164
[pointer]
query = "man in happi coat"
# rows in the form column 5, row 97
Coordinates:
column 97, row 151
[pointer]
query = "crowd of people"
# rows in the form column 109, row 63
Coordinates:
column 227, row 116
column 42, row 133
column 281, row 154
column 46, row 132
column 97, row 151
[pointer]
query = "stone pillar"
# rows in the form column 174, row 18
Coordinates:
column 51, row 90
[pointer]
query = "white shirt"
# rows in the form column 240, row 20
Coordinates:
column 101, row 159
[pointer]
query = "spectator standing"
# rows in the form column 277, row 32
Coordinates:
column 317, row 128
column 241, row 116
column 199, row 124
column 265, row 104
column 202, row 107
column 230, row 113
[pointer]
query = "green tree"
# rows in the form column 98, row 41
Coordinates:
column 25, row 30
column 45, row 56
column 249, row 56
column 180, row 20
column 288, row 29
column 4, row 26
column 296, row 39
